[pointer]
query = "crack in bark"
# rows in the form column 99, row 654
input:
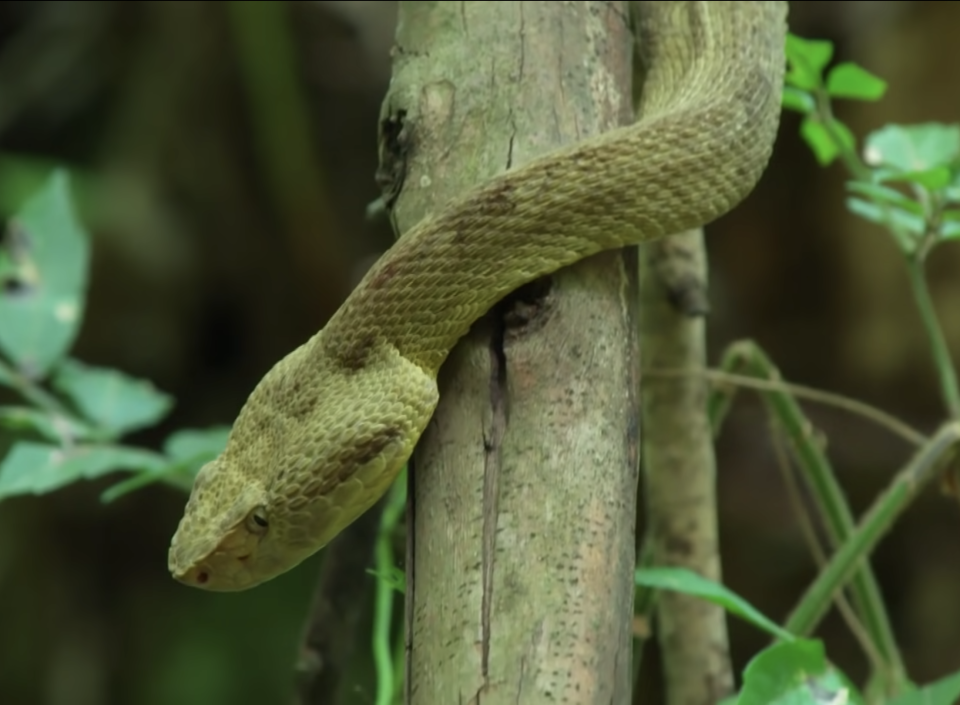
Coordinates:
column 491, row 476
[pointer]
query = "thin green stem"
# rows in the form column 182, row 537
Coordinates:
column 399, row 665
column 949, row 388
column 724, row 382
column 383, row 621
column 921, row 469
column 383, row 651
column 644, row 602
column 33, row 393
column 941, row 352
column 848, row 155
column 826, row 493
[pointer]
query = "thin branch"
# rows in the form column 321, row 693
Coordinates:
column 858, row 408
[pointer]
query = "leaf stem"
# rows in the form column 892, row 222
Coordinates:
column 924, row 467
column 383, row 651
column 828, row 496
column 941, row 352
column 33, row 393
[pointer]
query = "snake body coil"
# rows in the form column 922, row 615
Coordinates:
column 325, row 432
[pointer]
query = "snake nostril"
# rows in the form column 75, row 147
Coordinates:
column 202, row 577
column 243, row 559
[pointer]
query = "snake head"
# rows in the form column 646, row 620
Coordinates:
column 222, row 541
column 314, row 447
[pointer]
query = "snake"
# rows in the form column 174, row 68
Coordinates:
column 328, row 428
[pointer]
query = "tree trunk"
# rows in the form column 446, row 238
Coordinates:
column 679, row 467
column 525, row 481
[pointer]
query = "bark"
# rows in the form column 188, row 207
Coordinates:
column 525, row 481
column 679, row 467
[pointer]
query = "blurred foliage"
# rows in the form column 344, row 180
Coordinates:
column 153, row 108
column 43, row 273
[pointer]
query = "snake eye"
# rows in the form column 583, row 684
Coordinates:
column 257, row 521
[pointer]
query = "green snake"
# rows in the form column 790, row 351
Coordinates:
column 327, row 430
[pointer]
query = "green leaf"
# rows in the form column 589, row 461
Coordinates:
column 54, row 427
column 931, row 179
column 38, row 468
column 827, row 141
column 172, row 474
column 196, row 444
column 688, row 582
column 913, row 149
column 806, row 60
column 187, row 451
column 43, row 300
column 798, row 100
column 847, row 141
column 887, row 195
column 904, row 226
column 888, row 216
column 820, row 140
column 952, row 192
column 21, row 177
column 848, row 80
column 945, row 691
column 795, row 673
column 112, row 400
column 950, row 229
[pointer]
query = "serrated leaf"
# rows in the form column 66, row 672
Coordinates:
column 795, row 673
column 885, row 194
column 37, row 468
column 798, row 100
column 110, row 399
column 847, row 80
column 806, row 60
column 688, row 582
column 945, row 691
column 915, row 148
column 42, row 304
column 54, row 427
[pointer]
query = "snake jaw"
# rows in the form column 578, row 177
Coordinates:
column 226, row 568
column 238, row 560
column 213, row 547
